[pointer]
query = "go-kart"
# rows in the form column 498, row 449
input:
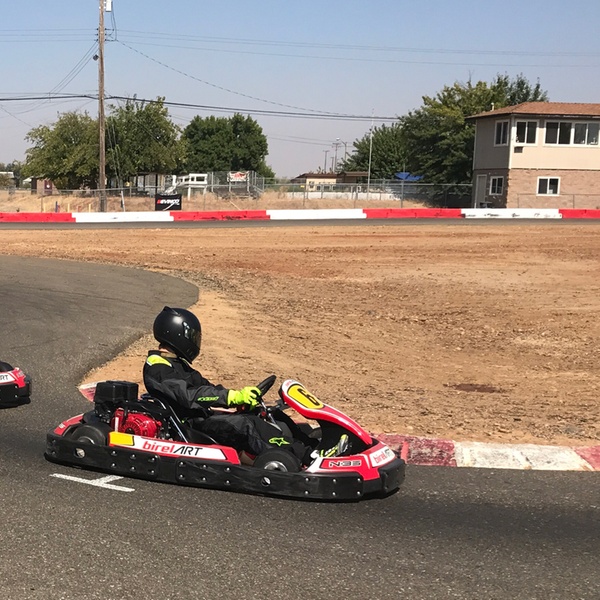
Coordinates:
column 15, row 386
column 144, row 437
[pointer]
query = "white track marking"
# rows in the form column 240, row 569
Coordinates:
column 103, row 482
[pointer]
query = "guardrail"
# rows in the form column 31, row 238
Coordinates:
column 298, row 215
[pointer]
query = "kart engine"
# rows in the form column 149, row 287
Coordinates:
column 136, row 423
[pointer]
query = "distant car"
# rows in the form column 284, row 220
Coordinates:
column 15, row 386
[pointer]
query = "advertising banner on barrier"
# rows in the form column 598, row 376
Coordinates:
column 167, row 202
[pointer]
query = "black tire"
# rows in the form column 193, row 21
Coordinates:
column 278, row 460
column 91, row 434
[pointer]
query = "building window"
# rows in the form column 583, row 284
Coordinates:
column 586, row 133
column 526, row 132
column 548, row 186
column 496, row 186
column 501, row 138
column 572, row 133
column 558, row 132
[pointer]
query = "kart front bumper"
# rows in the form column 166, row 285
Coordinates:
column 341, row 486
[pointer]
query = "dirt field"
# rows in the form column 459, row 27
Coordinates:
column 471, row 331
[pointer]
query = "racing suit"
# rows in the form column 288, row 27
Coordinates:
column 174, row 380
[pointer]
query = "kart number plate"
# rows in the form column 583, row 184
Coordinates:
column 6, row 377
column 302, row 396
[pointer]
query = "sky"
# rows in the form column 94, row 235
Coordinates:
column 315, row 74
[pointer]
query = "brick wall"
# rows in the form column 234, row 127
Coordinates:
column 578, row 189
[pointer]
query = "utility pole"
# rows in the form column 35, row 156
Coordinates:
column 370, row 156
column 336, row 145
column 101, row 121
column 325, row 163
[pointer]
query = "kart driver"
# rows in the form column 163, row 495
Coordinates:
column 169, row 376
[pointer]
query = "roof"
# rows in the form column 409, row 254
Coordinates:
column 406, row 176
column 355, row 173
column 555, row 109
column 317, row 176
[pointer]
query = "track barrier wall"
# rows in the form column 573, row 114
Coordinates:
column 300, row 215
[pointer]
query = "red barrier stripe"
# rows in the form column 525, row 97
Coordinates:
column 579, row 213
column 591, row 455
column 221, row 215
column 36, row 217
column 413, row 213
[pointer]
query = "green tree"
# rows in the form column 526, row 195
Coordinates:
column 141, row 138
column 66, row 152
column 387, row 152
column 509, row 92
column 436, row 140
column 226, row 144
column 439, row 138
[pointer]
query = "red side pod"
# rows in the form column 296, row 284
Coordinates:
column 60, row 430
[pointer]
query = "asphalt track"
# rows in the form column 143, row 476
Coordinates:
column 448, row 533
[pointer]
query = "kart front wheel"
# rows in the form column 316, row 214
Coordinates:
column 277, row 460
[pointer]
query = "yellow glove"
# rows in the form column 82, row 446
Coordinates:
column 248, row 395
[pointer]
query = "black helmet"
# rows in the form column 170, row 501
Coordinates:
column 180, row 330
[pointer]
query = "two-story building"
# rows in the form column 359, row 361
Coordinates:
column 538, row 155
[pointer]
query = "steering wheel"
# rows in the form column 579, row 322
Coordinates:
column 266, row 384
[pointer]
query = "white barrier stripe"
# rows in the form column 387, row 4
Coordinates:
column 123, row 217
column 519, row 456
column 511, row 213
column 316, row 213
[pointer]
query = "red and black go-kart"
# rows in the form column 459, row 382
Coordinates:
column 145, row 438
column 15, row 386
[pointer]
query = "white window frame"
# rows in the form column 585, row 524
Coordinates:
column 548, row 193
column 527, row 123
column 572, row 125
column 504, row 133
column 587, row 124
column 496, row 185
column 560, row 124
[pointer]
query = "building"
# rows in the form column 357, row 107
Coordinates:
column 537, row 155
column 316, row 182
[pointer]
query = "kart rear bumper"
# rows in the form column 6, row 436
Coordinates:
column 15, row 394
column 223, row 475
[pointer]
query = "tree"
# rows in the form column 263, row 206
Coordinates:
column 387, row 152
column 141, row 138
column 66, row 153
column 436, row 140
column 226, row 144
column 439, row 139
column 517, row 91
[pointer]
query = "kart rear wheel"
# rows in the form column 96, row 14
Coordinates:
column 277, row 460
column 91, row 434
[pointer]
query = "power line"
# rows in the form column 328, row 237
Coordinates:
column 219, row 87
column 204, row 107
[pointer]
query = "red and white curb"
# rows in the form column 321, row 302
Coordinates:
column 301, row 215
column 448, row 453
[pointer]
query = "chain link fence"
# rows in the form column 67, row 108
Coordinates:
column 223, row 192
column 580, row 201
